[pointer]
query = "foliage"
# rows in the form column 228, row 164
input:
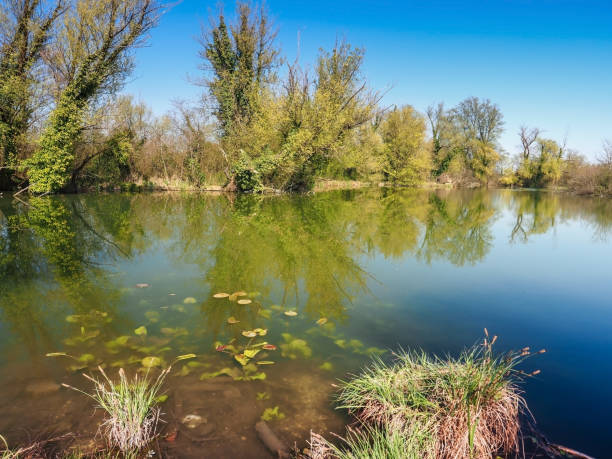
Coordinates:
column 406, row 157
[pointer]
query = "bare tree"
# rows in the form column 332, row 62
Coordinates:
column 528, row 139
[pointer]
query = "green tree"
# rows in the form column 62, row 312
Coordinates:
column 93, row 55
column 407, row 160
column 26, row 25
column 480, row 124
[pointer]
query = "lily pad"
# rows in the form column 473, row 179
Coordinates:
column 322, row 321
column 189, row 300
column 249, row 333
column 221, row 295
column 261, row 331
column 291, row 313
column 232, row 320
column 150, row 362
column 246, row 301
column 141, row 331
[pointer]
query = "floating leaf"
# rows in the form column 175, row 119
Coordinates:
column 291, row 313
column 240, row 293
column 269, row 347
column 189, row 300
column 322, row 321
column 261, row 331
column 57, row 354
column 141, row 331
column 244, row 301
column 221, row 295
column 249, row 333
column 250, row 353
column 241, row 359
column 185, row 357
column 143, row 285
column 232, row 320
column 150, row 362
column 265, row 362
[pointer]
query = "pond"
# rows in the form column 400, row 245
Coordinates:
column 330, row 280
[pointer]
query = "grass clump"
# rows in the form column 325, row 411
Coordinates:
column 430, row 407
column 131, row 408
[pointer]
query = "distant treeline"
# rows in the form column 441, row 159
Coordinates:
column 261, row 122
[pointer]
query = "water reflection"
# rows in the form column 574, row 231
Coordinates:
column 310, row 249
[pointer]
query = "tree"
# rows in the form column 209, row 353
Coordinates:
column 26, row 25
column 480, row 123
column 92, row 55
column 241, row 60
column 407, row 159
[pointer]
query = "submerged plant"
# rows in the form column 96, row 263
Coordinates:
column 422, row 406
column 130, row 406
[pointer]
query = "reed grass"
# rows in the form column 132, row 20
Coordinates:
column 430, row 407
column 131, row 408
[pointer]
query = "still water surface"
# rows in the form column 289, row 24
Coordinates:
column 384, row 269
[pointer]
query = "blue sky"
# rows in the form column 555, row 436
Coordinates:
column 545, row 63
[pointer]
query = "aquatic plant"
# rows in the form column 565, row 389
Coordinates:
column 130, row 406
column 423, row 406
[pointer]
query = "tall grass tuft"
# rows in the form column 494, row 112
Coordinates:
column 130, row 406
column 423, row 406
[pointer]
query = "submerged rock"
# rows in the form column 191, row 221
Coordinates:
column 192, row 421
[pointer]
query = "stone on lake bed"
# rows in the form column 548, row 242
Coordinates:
column 192, row 420
column 42, row 387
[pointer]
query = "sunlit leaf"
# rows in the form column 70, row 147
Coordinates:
column 261, row 331
column 161, row 398
column 246, row 301
column 269, row 347
column 57, row 354
column 232, row 320
column 249, row 333
column 241, row 359
column 221, row 295
column 271, row 414
column 240, row 293
column 265, row 362
column 291, row 313
column 185, row 357
column 150, row 362
column 73, row 319
column 322, row 321
column 141, row 331
column 250, row 353
column 189, row 300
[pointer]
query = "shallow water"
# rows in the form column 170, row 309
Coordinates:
column 387, row 269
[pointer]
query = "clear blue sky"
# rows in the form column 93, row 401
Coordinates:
column 547, row 63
